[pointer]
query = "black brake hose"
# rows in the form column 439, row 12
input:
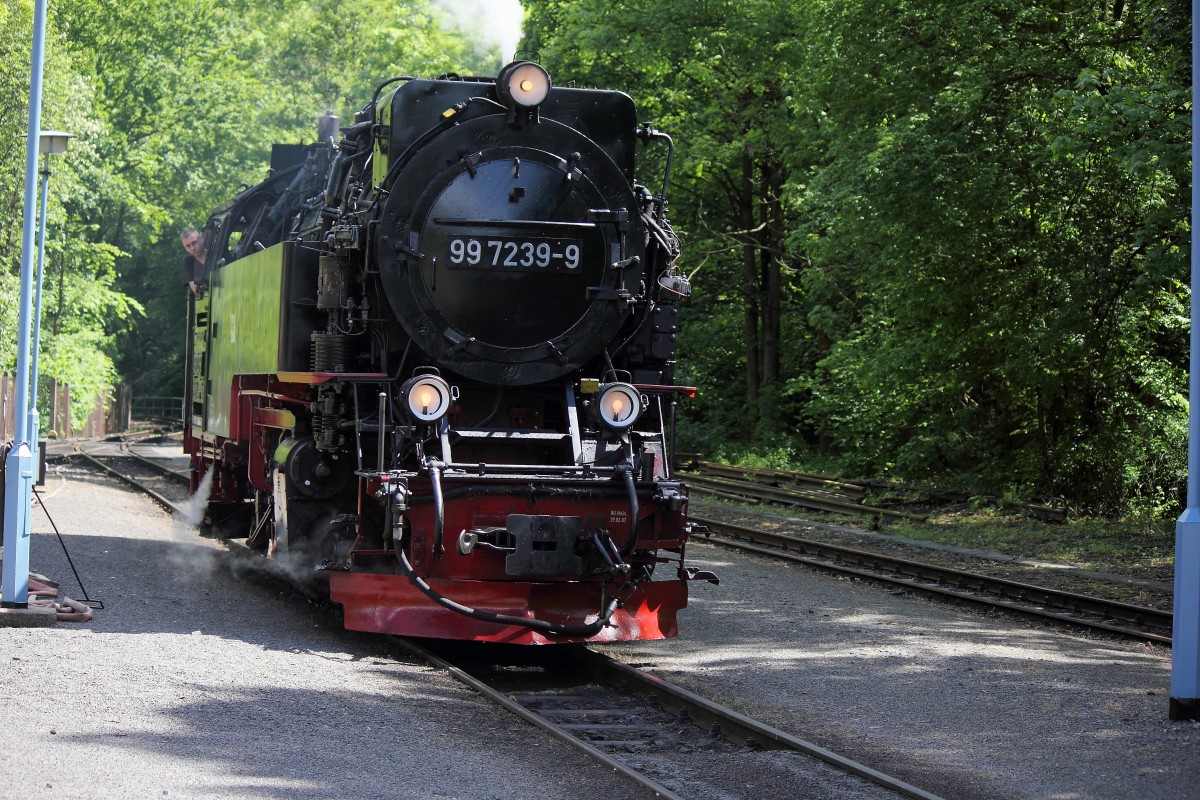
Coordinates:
column 626, row 471
column 588, row 630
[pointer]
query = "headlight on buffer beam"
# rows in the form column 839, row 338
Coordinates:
column 619, row 406
column 427, row 397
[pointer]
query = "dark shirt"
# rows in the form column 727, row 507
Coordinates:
column 193, row 270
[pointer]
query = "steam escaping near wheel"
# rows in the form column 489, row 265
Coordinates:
column 191, row 513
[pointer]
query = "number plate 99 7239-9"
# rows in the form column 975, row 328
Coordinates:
column 511, row 253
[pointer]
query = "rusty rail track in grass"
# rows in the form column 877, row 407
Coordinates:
column 826, row 493
column 800, row 489
column 1136, row 622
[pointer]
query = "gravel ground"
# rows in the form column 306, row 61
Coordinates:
column 193, row 684
column 964, row 704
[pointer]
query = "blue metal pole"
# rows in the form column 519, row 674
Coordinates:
column 34, row 419
column 1185, row 640
column 18, row 466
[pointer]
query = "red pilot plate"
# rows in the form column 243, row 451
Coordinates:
column 376, row 603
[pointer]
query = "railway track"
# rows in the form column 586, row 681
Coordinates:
column 1137, row 622
column 662, row 737
column 1142, row 623
column 666, row 739
column 820, row 492
column 816, row 492
column 166, row 487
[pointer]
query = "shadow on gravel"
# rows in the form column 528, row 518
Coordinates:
column 234, row 684
column 318, row 743
column 185, row 586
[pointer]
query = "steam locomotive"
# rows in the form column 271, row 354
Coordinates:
column 434, row 368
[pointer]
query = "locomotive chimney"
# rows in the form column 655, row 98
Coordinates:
column 327, row 127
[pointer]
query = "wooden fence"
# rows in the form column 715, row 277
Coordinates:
column 109, row 415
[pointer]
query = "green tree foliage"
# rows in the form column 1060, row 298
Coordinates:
column 929, row 240
column 175, row 106
column 83, row 307
column 717, row 75
column 1002, row 219
column 972, row 216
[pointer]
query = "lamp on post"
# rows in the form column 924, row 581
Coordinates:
column 19, row 467
column 50, row 143
column 54, row 143
column 18, row 462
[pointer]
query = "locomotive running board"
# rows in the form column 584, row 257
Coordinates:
column 376, row 603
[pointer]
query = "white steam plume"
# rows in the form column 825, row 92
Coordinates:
column 497, row 21
column 195, row 506
column 188, row 559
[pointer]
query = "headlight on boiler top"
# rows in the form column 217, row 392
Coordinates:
column 523, row 84
column 427, row 397
column 619, row 406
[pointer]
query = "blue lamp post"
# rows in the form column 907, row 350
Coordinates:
column 1185, row 641
column 50, row 143
column 18, row 465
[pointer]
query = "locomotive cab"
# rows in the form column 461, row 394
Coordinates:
column 436, row 366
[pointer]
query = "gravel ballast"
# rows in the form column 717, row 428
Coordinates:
column 961, row 703
column 198, row 681
column 193, row 683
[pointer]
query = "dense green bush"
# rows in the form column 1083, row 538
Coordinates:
column 941, row 242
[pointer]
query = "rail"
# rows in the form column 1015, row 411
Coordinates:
column 823, row 492
column 1136, row 622
column 626, row 719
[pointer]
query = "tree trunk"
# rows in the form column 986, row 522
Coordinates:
column 750, row 290
column 772, row 245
